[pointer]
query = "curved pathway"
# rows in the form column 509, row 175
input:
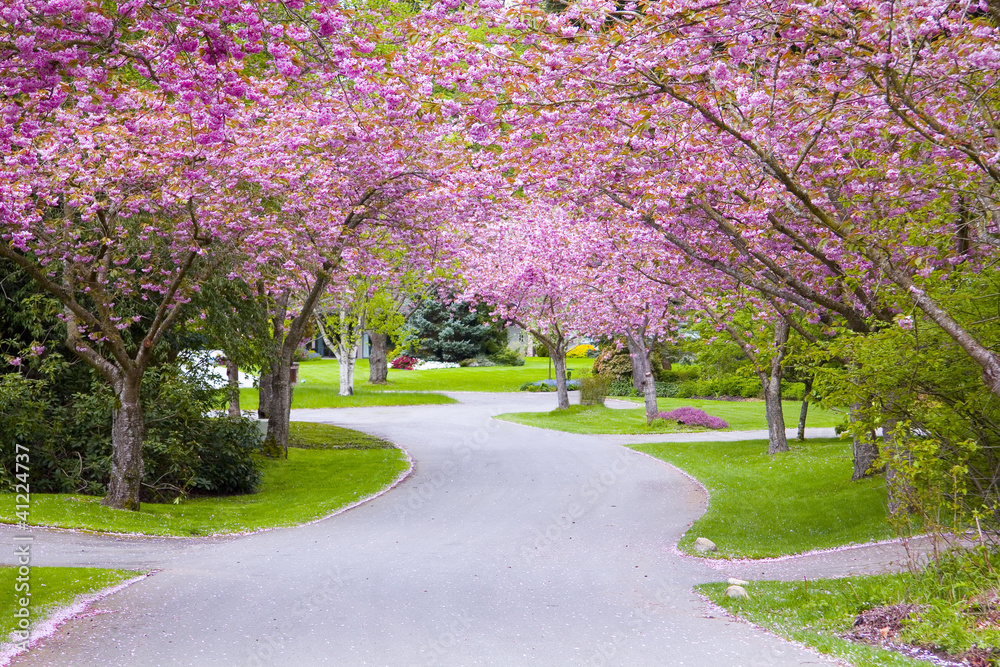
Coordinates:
column 507, row 545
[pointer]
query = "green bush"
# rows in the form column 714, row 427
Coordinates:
column 593, row 390
column 621, row 388
column 507, row 357
column 625, row 388
column 69, row 437
column 616, row 365
column 733, row 386
column 680, row 373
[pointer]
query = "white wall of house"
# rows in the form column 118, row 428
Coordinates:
column 521, row 341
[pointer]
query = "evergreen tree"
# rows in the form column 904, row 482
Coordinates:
column 452, row 332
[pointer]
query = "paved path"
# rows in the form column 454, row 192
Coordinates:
column 507, row 545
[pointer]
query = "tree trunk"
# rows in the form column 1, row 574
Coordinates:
column 378, row 358
column 279, row 407
column 233, row 373
column 639, row 353
column 127, row 431
column 558, row 354
column 864, row 450
column 345, row 359
column 649, row 394
column 776, row 440
column 804, row 410
column 346, row 356
column 263, row 394
column 865, row 453
column 635, row 356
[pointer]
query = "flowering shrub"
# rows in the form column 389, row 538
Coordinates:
column 582, row 352
column 405, row 363
column 694, row 417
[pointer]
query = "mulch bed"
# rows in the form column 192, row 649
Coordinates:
column 881, row 626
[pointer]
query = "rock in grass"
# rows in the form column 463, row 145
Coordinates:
column 733, row 581
column 704, row 545
column 737, row 593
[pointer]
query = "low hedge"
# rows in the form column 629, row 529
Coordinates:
column 730, row 386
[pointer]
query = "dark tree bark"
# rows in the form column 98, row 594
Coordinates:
column 127, row 433
column 642, row 367
column 286, row 342
column 233, row 373
column 264, row 394
column 378, row 358
column 804, row 410
column 864, row 450
column 279, row 408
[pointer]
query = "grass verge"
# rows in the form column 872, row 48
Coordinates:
column 954, row 611
column 317, row 396
column 320, row 383
column 51, row 589
column 741, row 416
column 763, row 506
column 340, row 467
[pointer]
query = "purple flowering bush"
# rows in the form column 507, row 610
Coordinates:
column 694, row 417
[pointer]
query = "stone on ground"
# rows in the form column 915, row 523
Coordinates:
column 737, row 592
column 703, row 545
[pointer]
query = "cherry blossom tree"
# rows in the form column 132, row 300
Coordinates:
column 118, row 196
column 520, row 261
column 782, row 145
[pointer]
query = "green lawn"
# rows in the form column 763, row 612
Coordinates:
column 52, row 588
column 320, row 383
column 762, row 506
column 327, row 396
column 952, row 618
column 741, row 415
column 341, row 467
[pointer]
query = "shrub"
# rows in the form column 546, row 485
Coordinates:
column 584, row 351
column 625, row 388
column 728, row 385
column 616, row 365
column 681, row 373
column 404, row 363
column 549, row 385
column 507, row 357
column 593, row 390
column 621, row 388
column 184, row 450
column 694, row 417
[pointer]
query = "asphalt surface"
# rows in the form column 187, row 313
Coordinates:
column 507, row 545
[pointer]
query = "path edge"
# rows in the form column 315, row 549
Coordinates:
column 48, row 626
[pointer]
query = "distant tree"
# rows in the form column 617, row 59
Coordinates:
column 452, row 332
